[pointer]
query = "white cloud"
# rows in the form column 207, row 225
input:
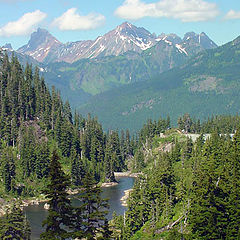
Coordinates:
column 23, row 25
column 232, row 15
column 71, row 20
column 185, row 10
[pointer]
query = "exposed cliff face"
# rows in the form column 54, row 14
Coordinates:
column 40, row 44
column 123, row 38
column 126, row 37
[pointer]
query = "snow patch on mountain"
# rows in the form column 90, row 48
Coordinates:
column 181, row 49
column 126, row 37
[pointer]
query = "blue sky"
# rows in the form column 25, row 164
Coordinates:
column 73, row 20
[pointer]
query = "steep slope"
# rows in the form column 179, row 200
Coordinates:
column 139, row 56
column 23, row 59
column 97, row 75
column 191, row 43
column 207, row 84
column 196, row 42
column 126, row 37
column 39, row 45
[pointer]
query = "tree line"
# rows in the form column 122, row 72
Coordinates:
column 192, row 191
column 34, row 120
column 220, row 123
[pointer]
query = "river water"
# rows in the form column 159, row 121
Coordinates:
column 36, row 213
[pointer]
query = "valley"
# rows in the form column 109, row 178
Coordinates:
column 133, row 62
column 161, row 108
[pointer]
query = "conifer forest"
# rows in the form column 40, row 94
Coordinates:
column 187, row 187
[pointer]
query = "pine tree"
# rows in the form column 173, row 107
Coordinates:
column 78, row 170
column 42, row 160
column 93, row 210
column 106, row 232
column 209, row 217
column 9, row 169
column 108, row 164
column 233, row 231
column 14, row 225
column 60, row 211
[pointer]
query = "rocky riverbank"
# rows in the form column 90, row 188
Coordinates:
column 110, row 184
column 126, row 174
column 125, row 197
column 5, row 205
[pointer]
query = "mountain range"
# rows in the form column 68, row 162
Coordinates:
column 207, row 84
column 122, row 56
column 130, row 74
column 45, row 48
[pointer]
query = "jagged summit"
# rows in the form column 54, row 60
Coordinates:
column 173, row 38
column 39, row 45
column 125, row 25
column 126, row 37
column 201, row 41
column 7, row 46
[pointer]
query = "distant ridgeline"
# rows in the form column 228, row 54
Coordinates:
column 187, row 190
column 205, row 85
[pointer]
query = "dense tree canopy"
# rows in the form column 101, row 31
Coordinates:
column 187, row 190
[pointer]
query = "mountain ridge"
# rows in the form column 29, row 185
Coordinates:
column 39, row 45
column 207, row 84
column 98, row 74
column 45, row 48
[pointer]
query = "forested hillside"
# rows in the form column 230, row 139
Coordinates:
column 34, row 121
column 187, row 190
column 206, row 85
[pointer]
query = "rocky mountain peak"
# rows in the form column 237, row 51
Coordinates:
column 206, row 42
column 40, row 44
column 190, row 36
column 130, row 30
column 44, row 47
column 131, row 38
column 126, row 25
column 201, row 38
column 7, row 46
column 169, row 38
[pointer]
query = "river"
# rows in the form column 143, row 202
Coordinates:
column 36, row 213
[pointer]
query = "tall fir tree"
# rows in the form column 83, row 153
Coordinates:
column 60, row 211
column 14, row 224
column 93, row 211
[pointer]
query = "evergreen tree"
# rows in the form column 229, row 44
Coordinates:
column 77, row 169
column 60, row 211
column 9, row 169
column 233, row 231
column 14, row 225
column 92, row 211
column 109, row 164
column 208, row 216
column 42, row 160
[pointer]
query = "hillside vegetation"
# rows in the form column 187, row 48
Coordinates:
column 187, row 190
column 206, row 85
